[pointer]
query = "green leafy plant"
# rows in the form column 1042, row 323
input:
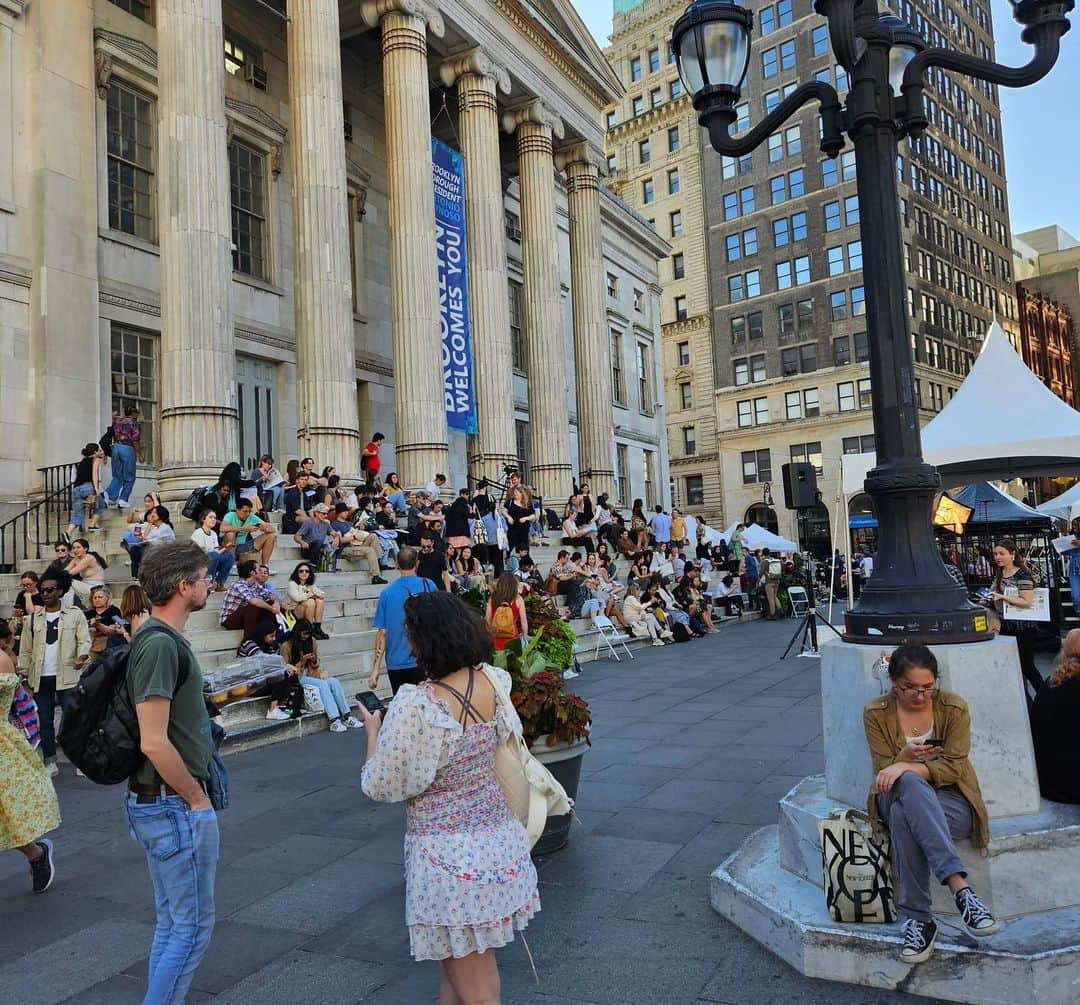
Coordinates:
column 556, row 641
column 545, row 709
column 475, row 597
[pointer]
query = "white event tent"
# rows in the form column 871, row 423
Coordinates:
column 1002, row 423
column 755, row 536
column 1065, row 506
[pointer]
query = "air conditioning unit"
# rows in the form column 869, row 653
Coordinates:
column 256, row 76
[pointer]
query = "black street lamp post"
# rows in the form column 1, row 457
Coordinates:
column 911, row 595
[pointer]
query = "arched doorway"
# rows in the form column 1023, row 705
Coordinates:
column 815, row 535
column 763, row 516
column 862, row 522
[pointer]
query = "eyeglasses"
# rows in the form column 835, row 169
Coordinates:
column 914, row 689
column 49, row 589
column 205, row 580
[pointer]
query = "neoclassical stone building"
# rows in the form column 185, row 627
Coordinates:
column 225, row 215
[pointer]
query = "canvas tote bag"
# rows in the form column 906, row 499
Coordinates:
column 855, row 869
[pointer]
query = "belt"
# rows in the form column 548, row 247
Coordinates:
column 146, row 793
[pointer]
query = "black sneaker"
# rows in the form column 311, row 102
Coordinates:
column 918, row 941
column 41, row 869
column 378, row 581
column 976, row 916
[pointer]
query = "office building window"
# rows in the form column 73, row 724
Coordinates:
column 673, row 141
column 647, row 192
column 838, row 305
column 637, row 105
column 831, row 212
column 754, row 325
column 129, row 120
column 756, row 466
column 738, row 330
column 673, row 181
column 618, row 375
column 654, row 60
column 689, row 441
column 678, row 266
column 807, row 453
column 695, row 490
column 644, row 378
column 845, row 394
column 819, row 40
column 811, row 403
column 682, row 351
column 793, row 405
column 686, row 395
column 635, row 69
column 247, row 188
column 841, row 351
column 859, row 444
column 140, row 8
column 643, row 152
column 676, row 224
column 680, row 308
column 862, row 347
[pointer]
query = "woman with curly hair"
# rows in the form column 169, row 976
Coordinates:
column 470, row 883
column 1053, row 726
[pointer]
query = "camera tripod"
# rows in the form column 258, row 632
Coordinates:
column 808, row 631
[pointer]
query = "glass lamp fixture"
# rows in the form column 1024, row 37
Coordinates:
column 711, row 41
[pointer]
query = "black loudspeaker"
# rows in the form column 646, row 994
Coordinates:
column 800, row 485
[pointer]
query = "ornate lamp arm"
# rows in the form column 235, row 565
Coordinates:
column 716, row 108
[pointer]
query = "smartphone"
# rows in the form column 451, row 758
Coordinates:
column 370, row 701
column 934, row 741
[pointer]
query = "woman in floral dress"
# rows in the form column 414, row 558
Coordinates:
column 469, row 880
column 28, row 807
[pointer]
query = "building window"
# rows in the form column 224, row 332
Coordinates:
column 140, row 8
column 637, row 105
column 865, row 397
column 756, row 465
column 841, row 351
column 831, row 211
column 680, row 308
column 804, row 315
column 819, row 40
column 811, row 403
column 858, row 302
column 835, row 258
column 639, row 301
column 686, row 395
column 673, row 181
column 807, row 453
column 757, row 368
column 682, row 352
column 675, row 89
column 521, row 440
column 862, row 347
column 612, row 285
column 243, row 60
column 755, row 326
column 612, row 118
column 786, row 319
column 656, row 97
column 695, row 490
column 689, row 441
column 845, row 393
column 635, row 69
column 678, row 265
column 738, row 330
column 647, row 471
column 654, row 60
column 838, row 305
column 793, row 405
column 854, row 255
column 859, row 444
column 643, row 151
column 612, row 164
column 622, row 476
column 618, row 377
column 134, row 381
column 851, row 210
column 761, row 411
column 829, row 172
column 644, row 378
column 517, row 342
column 647, row 192
column 129, row 121
column 674, row 143
column 676, row 224
column 247, row 181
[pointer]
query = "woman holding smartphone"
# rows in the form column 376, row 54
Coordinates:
column 926, row 793
column 301, row 650
column 1014, row 585
column 470, row 883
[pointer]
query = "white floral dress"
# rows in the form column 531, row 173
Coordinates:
column 28, row 806
column 469, row 879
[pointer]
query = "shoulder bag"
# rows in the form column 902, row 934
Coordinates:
column 531, row 791
column 855, row 869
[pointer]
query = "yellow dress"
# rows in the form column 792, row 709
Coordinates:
column 28, row 806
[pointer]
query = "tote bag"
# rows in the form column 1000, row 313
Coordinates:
column 855, row 869
column 531, row 791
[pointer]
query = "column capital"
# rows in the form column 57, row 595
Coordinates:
column 474, row 62
column 537, row 113
column 373, row 11
column 581, row 154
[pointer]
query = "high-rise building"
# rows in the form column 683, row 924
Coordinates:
column 654, row 164
column 790, row 344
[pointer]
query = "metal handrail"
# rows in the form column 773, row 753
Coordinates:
column 23, row 536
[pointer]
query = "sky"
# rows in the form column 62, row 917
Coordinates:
column 1042, row 148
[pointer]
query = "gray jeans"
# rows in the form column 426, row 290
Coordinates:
column 923, row 823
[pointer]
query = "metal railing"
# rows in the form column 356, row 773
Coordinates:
column 28, row 535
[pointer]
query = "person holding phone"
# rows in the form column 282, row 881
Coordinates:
column 926, row 793
column 1014, row 586
column 301, row 650
column 104, row 621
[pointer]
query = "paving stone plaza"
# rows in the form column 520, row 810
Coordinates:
column 693, row 746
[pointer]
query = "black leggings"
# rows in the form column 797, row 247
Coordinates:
column 1025, row 644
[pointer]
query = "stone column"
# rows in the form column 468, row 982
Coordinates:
column 494, row 445
column 545, row 357
column 419, row 407
column 198, row 396
column 325, row 350
column 588, row 288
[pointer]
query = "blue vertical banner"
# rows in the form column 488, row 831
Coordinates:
column 459, row 391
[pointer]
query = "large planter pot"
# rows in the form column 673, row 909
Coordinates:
column 564, row 762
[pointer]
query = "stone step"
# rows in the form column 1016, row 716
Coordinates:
column 208, row 619
column 217, row 638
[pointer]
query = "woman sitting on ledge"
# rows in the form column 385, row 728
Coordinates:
column 1053, row 727
column 926, row 793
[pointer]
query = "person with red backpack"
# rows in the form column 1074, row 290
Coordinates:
column 505, row 612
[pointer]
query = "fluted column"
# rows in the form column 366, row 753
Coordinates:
column 494, row 444
column 199, row 432
column 549, row 432
column 325, row 378
column 588, row 289
column 419, row 407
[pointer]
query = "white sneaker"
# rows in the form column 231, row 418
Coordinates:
column 353, row 723
column 569, row 674
column 277, row 715
column 51, row 769
column 123, row 505
column 658, row 642
column 337, row 726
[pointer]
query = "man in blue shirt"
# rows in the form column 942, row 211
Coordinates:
column 389, row 621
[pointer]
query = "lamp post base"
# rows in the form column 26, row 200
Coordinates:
column 930, row 628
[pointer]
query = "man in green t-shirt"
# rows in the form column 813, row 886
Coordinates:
column 239, row 526
column 168, row 810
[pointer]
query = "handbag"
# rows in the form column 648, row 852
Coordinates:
column 532, row 792
column 855, row 869
column 479, row 532
column 312, row 699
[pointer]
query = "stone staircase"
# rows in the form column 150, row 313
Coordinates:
column 350, row 606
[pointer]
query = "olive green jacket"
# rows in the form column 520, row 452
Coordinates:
column 74, row 642
column 952, row 723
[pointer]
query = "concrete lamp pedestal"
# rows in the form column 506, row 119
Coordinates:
column 772, row 886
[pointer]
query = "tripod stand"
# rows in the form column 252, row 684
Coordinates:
column 808, row 630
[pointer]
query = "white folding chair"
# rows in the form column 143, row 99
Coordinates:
column 800, row 604
column 607, row 634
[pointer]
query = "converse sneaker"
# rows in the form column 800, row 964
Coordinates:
column 337, row 726
column 918, row 941
column 976, row 916
column 353, row 723
column 41, row 869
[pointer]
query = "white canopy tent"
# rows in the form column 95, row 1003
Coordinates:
column 755, row 536
column 1065, row 506
column 1003, row 422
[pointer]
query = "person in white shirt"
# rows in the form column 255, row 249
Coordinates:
column 660, row 523
column 221, row 559
column 160, row 530
column 434, row 487
column 866, row 566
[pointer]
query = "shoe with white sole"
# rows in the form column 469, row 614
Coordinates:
column 919, row 939
column 975, row 914
column 658, row 642
column 353, row 723
column 569, row 674
column 51, row 769
column 278, row 715
column 337, row 726
column 41, row 869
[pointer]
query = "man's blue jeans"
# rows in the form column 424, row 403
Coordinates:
column 221, row 563
column 1074, row 589
column 182, row 852
column 123, row 469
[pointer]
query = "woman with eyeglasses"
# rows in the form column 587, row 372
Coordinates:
column 926, row 793
column 309, row 599
column 301, row 650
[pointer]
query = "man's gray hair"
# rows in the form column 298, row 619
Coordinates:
column 169, row 564
column 407, row 558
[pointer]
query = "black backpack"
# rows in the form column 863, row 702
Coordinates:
column 195, row 503
column 106, row 442
column 100, row 729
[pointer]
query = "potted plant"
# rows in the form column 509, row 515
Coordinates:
column 555, row 722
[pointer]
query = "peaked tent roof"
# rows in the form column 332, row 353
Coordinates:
column 1065, row 506
column 990, row 505
column 755, row 536
column 1003, row 422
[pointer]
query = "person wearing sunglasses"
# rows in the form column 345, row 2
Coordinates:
column 926, row 793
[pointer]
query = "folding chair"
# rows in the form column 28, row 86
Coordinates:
column 800, row 604
column 607, row 634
